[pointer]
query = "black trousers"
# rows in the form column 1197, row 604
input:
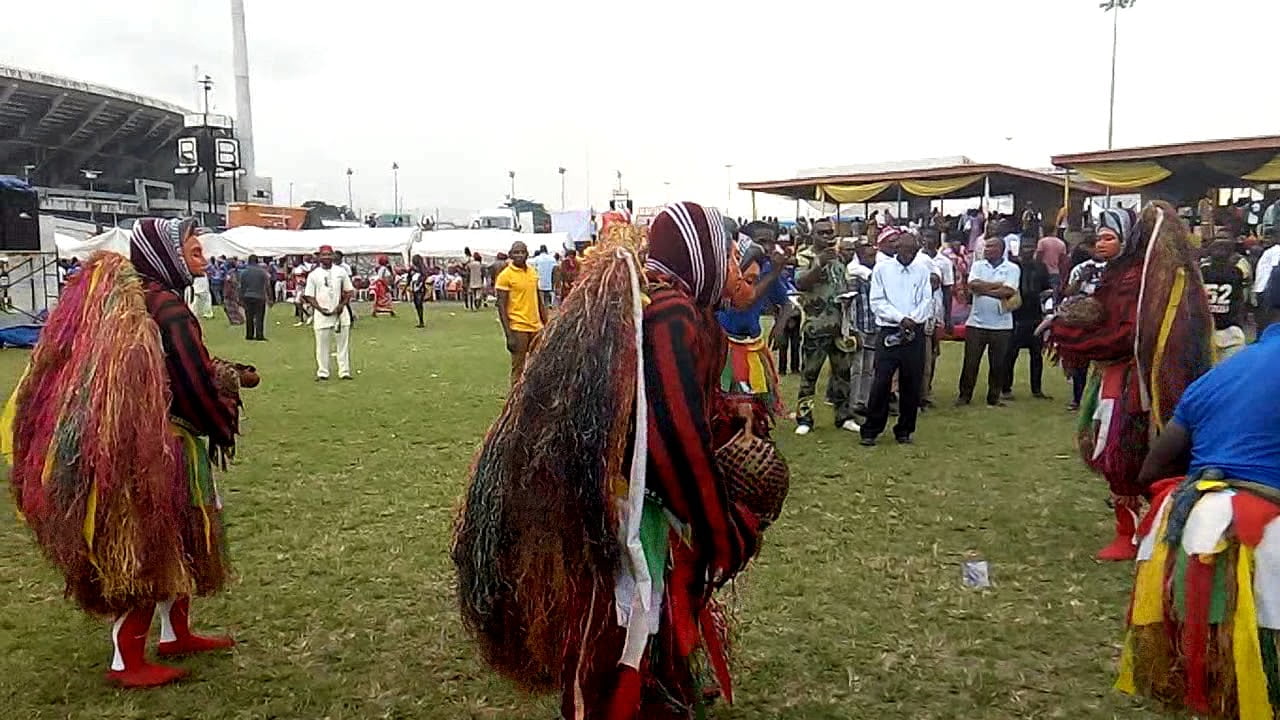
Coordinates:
column 418, row 300
column 255, row 316
column 789, row 348
column 907, row 360
column 1079, row 378
column 995, row 343
column 1024, row 336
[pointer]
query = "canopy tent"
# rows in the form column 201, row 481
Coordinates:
column 934, row 183
column 244, row 241
column 450, row 244
column 114, row 239
column 241, row 242
column 1181, row 172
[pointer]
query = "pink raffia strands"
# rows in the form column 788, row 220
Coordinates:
column 94, row 469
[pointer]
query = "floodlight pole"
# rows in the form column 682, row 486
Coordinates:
column 1114, row 7
column 1115, row 42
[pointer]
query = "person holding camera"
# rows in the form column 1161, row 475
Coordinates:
column 902, row 300
column 821, row 278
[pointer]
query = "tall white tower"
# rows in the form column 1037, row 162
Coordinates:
column 244, row 105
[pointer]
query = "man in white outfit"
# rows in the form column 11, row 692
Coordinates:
column 328, row 292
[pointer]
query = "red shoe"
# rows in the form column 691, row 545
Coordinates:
column 1123, row 547
column 176, row 637
column 129, row 667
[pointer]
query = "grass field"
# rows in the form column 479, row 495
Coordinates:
column 339, row 511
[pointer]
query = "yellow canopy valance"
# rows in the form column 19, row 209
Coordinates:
column 934, row 188
column 1124, row 175
column 851, row 193
column 1269, row 172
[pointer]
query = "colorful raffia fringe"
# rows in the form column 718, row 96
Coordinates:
column 1194, row 642
column 93, row 465
column 537, row 531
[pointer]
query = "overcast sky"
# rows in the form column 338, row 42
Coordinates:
column 666, row 91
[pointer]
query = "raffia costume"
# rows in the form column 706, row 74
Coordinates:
column 598, row 523
column 106, row 438
column 1146, row 331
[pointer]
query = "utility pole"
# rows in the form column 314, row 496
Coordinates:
column 562, row 205
column 395, row 187
column 728, row 179
column 92, row 175
column 1114, row 7
column 207, row 84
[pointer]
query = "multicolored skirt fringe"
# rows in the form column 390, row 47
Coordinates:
column 1112, row 428
column 750, row 376
column 203, row 540
column 1204, row 621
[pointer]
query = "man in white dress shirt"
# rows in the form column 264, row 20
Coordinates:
column 993, row 282
column 328, row 292
column 944, row 277
column 1269, row 260
column 902, row 301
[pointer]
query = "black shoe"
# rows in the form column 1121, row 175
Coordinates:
column 996, row 404
column 1006, row 395
column 961, row 402
column 1041, row 396
column 904, row 440
column 867, row 442
column 322, row 379
column 345, row 377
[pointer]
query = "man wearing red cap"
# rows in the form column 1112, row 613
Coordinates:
column 328, row 292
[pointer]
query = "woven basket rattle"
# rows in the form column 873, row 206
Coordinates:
column 755, row 474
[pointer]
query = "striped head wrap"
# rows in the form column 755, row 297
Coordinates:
column 1119, row 221
column 688, row 242
column 155, row 249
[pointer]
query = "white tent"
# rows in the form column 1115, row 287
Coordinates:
column 450, row 244
column 242, row 242
column 115, row 240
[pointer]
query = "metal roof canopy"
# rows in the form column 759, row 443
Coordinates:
column 1002, row 179
column 1196, row 167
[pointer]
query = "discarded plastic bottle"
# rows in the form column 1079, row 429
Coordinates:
column 975, row 572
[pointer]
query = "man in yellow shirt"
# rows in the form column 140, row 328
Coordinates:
column 520, row 308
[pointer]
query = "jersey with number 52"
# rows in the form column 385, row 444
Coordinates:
column 1224, row 286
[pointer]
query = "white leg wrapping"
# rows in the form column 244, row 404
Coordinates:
column 166, row 624
column 117, row 660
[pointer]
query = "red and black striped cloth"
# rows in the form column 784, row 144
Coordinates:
column 684, row 349
column 191, row 375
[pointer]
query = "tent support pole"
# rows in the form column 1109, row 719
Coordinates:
column 753, row 206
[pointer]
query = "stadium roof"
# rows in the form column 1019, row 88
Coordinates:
column 955, row 181
column 60, row 126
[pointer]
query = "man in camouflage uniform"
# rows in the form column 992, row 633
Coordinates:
column 821, row 279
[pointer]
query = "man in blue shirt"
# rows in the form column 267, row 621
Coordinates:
column 749, row 377
column 217, row 272
column 545, row 264
column 1226, row 421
